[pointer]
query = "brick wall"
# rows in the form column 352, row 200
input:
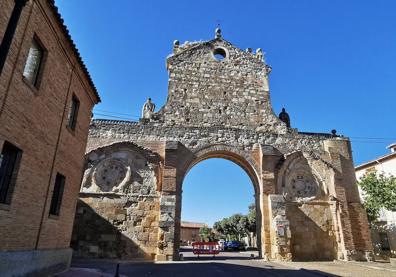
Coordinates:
column 35, row 120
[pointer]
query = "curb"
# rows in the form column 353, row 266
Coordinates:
column 371, row 266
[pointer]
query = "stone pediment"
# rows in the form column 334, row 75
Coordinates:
column 191, row 51
column 214, row 83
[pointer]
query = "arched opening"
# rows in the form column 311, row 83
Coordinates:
column 217, row 185
column 308, row 210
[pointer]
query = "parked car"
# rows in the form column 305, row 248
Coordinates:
column 234, row 245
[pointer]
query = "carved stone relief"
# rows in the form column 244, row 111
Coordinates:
column 300, row 185
column 298, row 182
column 122, row 171
column 110, row 174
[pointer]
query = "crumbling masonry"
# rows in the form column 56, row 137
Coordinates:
column 219, row 106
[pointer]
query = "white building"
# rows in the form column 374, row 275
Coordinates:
column 384, row 231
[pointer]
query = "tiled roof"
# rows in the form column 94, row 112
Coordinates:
column 187, row 224
column 60, row 20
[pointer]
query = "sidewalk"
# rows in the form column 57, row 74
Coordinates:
column 234, row 264
column 346, row 269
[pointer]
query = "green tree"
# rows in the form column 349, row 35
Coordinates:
column 252, row 218
column 205, row 233
column 379, row 191
column 232, row 228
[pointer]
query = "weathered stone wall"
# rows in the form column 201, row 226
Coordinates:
column 203, row 91
column 118, row 212
column 313, row 232
column 280, row 232
column 103, row 132
column 116, row 226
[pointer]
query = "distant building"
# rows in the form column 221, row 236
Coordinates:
column 189, row 232
column 384, row 231
column 46, row 101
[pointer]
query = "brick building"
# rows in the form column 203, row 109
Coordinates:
column 189, row 232
column 46, row 101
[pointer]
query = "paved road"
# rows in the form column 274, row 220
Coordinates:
column 227, row 264
column 218, row 268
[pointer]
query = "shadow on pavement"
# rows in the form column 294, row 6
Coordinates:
column 203, row 268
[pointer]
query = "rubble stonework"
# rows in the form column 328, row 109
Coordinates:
column 118, row 211
column 219, row 106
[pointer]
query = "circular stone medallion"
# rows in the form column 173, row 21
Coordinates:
column 301, row 186
column 109, row 174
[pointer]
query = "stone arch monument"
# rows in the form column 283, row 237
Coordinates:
column 305, row 188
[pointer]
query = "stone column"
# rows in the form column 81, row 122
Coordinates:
column 169, row 219
column 279, row 229
column 270, row 160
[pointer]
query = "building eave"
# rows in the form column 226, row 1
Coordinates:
column 66, row 33
column 376, row 161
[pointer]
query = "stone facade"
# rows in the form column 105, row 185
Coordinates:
column 34, row 118
column 118, row 212
column 219, row 106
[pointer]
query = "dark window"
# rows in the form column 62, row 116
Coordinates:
column 74, row 113
column 9, row 159
column 56, row 200
column 34, row 63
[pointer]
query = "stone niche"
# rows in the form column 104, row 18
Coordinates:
column 118, row 210
column 308, row 209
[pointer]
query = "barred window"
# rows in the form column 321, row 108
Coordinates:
column 9, row 160
column 34, row 63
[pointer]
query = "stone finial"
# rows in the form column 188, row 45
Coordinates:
column 249, row 50
column 334, row 133
column 218, row 32
column 268, row 69
column 176, row 45
column 284, row 116
column 260, row 54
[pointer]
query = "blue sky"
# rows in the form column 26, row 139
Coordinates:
column 333, row 60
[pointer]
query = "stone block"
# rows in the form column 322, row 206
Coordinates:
column 153, row 237
column 143, row 236
column 169, row 184
column 146, row 223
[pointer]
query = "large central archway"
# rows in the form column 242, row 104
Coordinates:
column 215, row 189
column 223, row 152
